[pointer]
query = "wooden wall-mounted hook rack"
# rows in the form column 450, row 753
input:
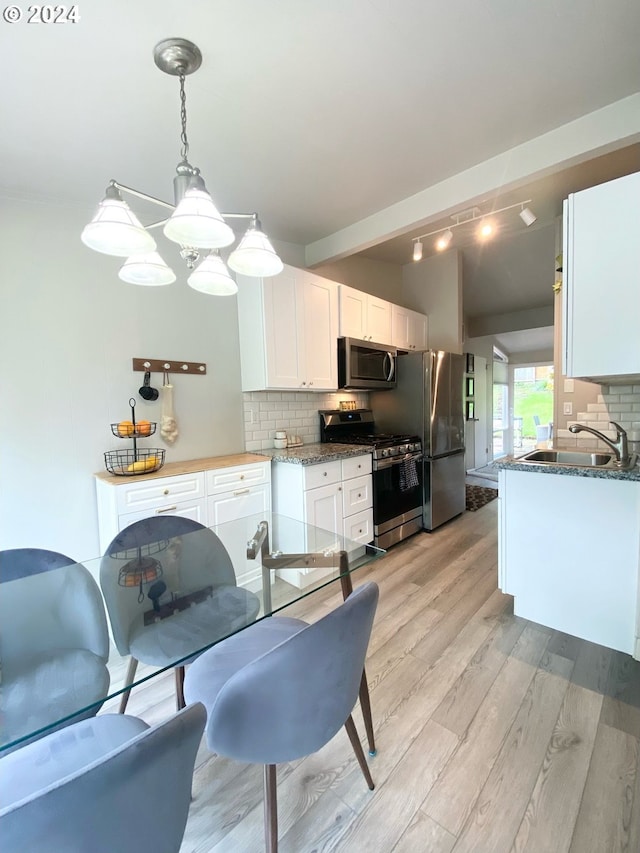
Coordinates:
column 161, row 365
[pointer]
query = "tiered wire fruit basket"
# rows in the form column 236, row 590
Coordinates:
column 136, row 460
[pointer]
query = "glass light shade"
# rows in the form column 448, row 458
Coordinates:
column 212, row 277
column 116, row 230
column 197, row 222
column 417, row 250
column 147, row 269
column 255, row 255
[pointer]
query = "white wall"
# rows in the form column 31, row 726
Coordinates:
column 433, row 286
column 68, row 331
column 378, row 278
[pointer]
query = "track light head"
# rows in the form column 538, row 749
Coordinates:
column 527, row 216
column 444, row 239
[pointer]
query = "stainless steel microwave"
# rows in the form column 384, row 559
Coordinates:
column 364, row 365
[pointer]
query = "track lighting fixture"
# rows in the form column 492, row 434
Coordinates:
column 486, row 229
column 193, row 221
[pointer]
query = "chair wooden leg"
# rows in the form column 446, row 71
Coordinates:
column 365, row 706
column 270, row 809
column 179, row 673
column 365, row 701
column 131, row 674
column 350, row 726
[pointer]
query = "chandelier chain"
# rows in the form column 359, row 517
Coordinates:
column 183, row 119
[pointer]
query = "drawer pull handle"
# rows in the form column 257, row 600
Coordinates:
column 166, row 509
column 166, row 492
column 339, row 488
column 242, row 492
column 325, row 474
column 242, row 476
column 359, row 495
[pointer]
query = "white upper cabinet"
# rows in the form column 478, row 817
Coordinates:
column 364, row 317
column 601, row 281
column 288, row 328
column 408, row 329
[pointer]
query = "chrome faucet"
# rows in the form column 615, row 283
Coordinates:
column 620, row 446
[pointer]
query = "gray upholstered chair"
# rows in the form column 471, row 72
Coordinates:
column 281, row 689
column 192, row 559
column 103, row 785
column 54, row 641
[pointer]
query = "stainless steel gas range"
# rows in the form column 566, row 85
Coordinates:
column 397, row 471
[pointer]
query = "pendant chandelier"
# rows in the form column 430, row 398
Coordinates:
column 194, row 222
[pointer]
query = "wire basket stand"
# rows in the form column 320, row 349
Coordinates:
column 128, row 463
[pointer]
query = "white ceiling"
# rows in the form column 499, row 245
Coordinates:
column 315, row 114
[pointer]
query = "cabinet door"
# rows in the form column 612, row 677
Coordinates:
column 318, row 331
column 400, row 327
column 284, row 359
column 353, row 313
column 231, row 506
column 418, row 331
column 601, row 272
column 323, row 508
column 379, row 320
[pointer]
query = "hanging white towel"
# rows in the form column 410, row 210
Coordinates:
column 168, row 423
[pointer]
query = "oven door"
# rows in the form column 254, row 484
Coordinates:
column 397, row 491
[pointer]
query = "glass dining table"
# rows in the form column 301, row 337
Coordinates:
column 167, row 600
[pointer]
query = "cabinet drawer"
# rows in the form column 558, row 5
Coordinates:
column 238, row 477
column 356, row 466
column 230, row 506
column 322, row 475
column 194, row 510
column 359, row 527
column 149, row 494
column 357, row 494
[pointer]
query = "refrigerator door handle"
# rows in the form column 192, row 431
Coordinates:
column 392, row 366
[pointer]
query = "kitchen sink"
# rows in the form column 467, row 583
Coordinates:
column 575, row 458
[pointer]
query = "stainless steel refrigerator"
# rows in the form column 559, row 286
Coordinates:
column 428, row 401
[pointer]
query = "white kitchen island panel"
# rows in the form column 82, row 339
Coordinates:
column 570, row 554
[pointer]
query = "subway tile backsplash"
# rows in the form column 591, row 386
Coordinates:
column 296, row 412
column 619, row 403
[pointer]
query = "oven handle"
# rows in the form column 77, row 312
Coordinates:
column 380, row 464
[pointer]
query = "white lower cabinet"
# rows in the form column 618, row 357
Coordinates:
column 213, row 496
column 569, row 554
column 333, row 496
column 232, row 494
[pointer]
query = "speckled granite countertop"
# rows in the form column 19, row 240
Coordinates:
column 511, row 463
column 313, row 454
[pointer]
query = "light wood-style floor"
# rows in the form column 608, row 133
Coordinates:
column 493, row 733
